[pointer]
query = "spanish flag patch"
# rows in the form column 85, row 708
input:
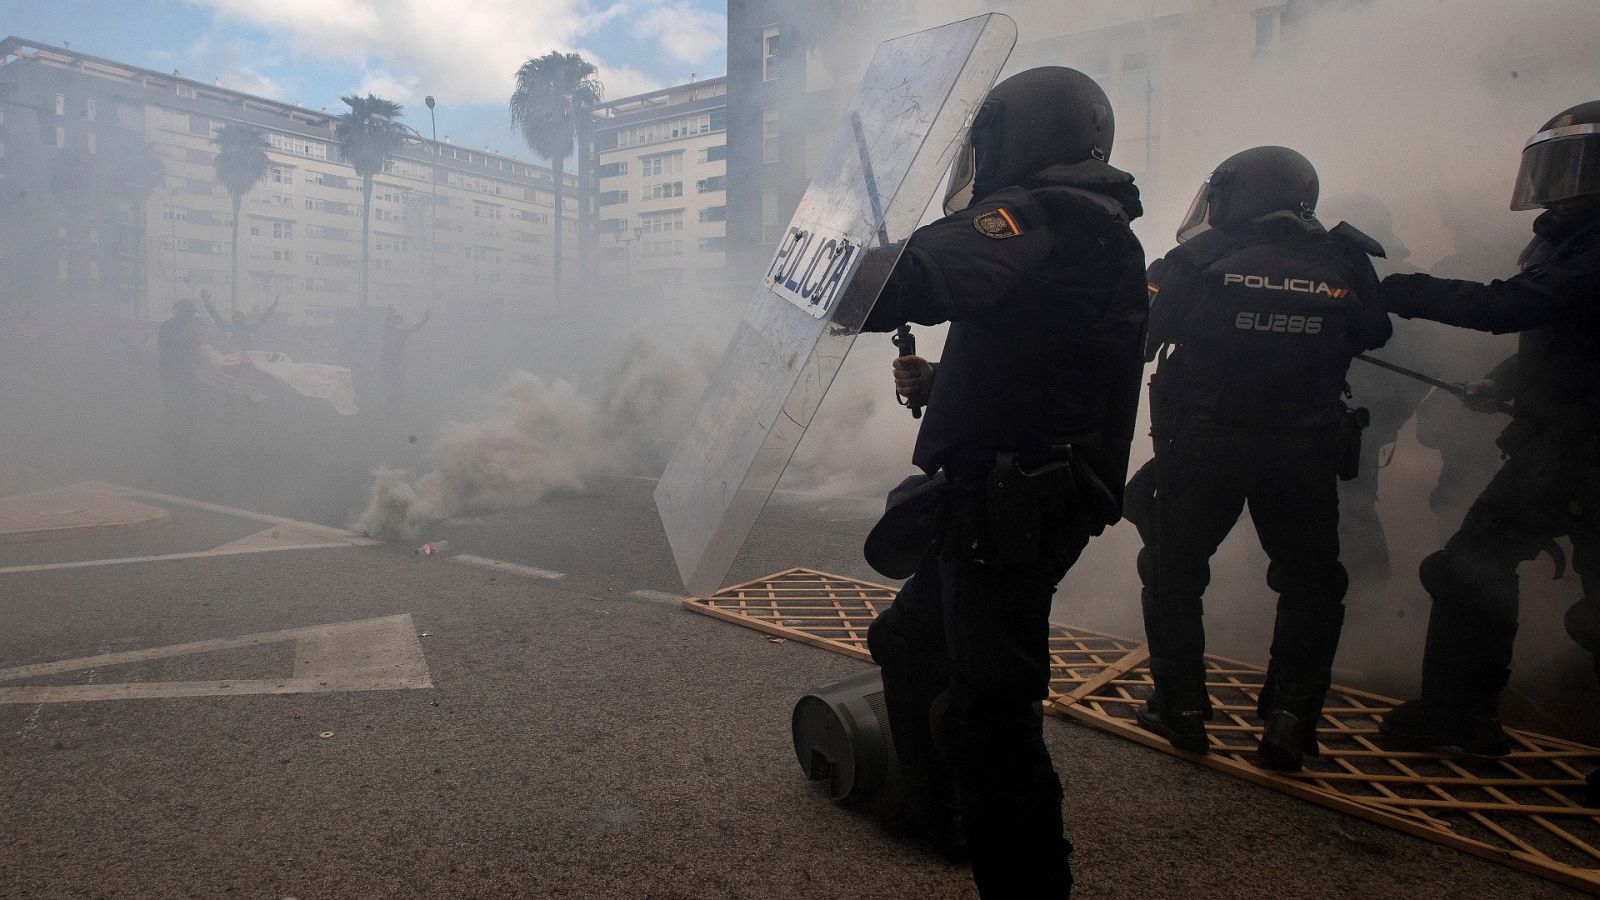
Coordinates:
column 999, row 224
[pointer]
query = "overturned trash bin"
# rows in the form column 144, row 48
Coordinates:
column 842, row 737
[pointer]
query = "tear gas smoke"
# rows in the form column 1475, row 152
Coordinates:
column 539, row 436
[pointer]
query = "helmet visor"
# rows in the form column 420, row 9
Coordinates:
column 1198, row 220
column 1561, row 164
column 958, row 193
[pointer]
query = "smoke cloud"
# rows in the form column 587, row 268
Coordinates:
column 538, row 436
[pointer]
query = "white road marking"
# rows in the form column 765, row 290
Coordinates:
column 325, row 531
column 166, row 557
column 272, row 538
column 484, row 562
column 367, row 655
column 661, row 596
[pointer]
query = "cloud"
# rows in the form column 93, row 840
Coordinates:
column 688, row 34
column 233, row 62
column 400, row 89
column 464, row 54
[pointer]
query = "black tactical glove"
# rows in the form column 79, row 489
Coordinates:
column 1400, row 293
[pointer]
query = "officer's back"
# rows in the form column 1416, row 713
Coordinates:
column 1268, row 319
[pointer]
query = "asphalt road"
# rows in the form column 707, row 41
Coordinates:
column 574, row 739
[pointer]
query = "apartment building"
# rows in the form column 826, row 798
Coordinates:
column 792, row 69
column 109, row 198
column 662, row 192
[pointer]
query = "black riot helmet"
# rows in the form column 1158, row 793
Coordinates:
column 1033, row 120
column 1251, row 184
column 1562, row 161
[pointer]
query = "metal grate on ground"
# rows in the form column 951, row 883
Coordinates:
column 1523, row 810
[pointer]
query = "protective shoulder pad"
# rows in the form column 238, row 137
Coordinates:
column 1207, row 247
column 1359, row 239
column 1070, row 199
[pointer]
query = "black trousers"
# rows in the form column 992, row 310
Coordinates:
column 1204, row 478
column 965, row 655
column 1544, row 491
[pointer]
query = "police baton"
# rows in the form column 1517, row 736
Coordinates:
column 1456, row 390
column 906, row 343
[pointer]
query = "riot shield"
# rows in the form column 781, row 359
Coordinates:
column 888, row 157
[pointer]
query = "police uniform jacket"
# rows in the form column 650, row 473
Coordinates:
column 1262, row 324
column 1043, row 287
column 1555, row 303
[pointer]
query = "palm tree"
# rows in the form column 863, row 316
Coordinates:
column 368, row 136
column 241, row 161
column 551, row 104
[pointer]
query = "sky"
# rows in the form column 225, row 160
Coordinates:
column 463, row 52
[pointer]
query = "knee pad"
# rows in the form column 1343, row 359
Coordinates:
column 1483, row 583
column 1583, row 624
column 885, row 641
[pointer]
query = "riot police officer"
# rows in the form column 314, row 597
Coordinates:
column 1029, row 417
column 1258, row 312
column 1550, row 483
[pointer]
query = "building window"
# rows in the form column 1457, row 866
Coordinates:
column 61, row 138
column 61, row 104
column 771, row 150
column 713, row 244
column 771, row 225
column 769, row 53
column 1137, row 87
column 662, row 190
column 283, row 230
column 282, row 175
column 611, row 170
column 689, row 126
column 712, row 154
column 88, row 109
column 714, row 214
column 661, row 164
column 91, row 144
column 712, row 184
column 661, row 222
column 1269, row 26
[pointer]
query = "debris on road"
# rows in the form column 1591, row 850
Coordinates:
column 433, row 547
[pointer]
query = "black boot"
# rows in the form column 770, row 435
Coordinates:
column 1465, row 666
column 1434, row 727
column 1291, row 726
column 1178, row 711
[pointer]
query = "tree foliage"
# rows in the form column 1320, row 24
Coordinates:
column 551, row 105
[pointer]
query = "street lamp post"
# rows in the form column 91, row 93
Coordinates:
column 433, row 213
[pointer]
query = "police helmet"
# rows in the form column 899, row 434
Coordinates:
column 1562, row 161
column 1033, row 120
column 1249, row 185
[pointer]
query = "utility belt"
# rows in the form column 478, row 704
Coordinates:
column 999, row 512
column 1344, row 431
